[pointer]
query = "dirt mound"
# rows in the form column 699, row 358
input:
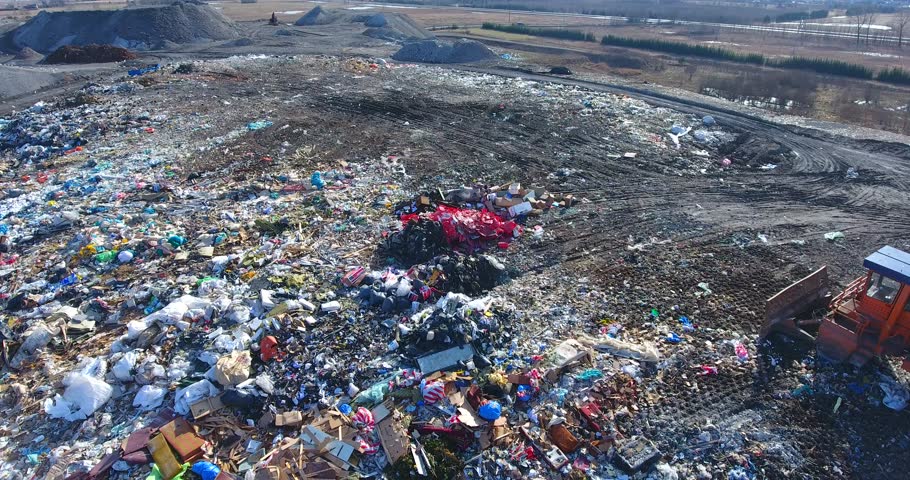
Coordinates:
column 27, row 54
column 136, row 29
column 753, row 150
column 89, row 54
column 436, row 51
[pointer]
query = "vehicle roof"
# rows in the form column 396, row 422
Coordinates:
column 890, row 262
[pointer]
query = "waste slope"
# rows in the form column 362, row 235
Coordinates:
column 436, row 51
column 136, row 29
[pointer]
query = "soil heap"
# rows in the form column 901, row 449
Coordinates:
column 136, row 29
column 89, row 54
column 436, row 51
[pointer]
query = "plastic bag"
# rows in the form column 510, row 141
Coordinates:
column 83, row 395
column 169, row 315
column 149, row 397
column 468, row 229
column 490, row 410
column 192, row 394
column 234, row 368
column 264, row 381
column 123, row 369
column 206, row 470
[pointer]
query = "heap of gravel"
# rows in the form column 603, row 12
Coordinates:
column 325, row 16
column 28, row 54
column 376, row 21
column 387, row 26
column 436, row 51
column 136, row 29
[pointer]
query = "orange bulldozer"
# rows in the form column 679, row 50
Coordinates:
column 869, row 318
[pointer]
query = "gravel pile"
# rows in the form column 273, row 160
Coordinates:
column 28, row 54
column 323, row 16
column 136, row 29
column 436, row 51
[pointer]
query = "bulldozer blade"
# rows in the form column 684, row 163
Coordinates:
column 782, row 309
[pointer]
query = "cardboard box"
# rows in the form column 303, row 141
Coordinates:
column 293, row 418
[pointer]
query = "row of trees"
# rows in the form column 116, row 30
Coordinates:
column 819, row 65
column 797, row 16
column 894, row 75
column 684, row 49
column 561, row 33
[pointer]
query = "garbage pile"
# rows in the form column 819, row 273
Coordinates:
column 191, row 289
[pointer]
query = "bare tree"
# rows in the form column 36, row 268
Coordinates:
column 870, row 19
column 860, row 21
column 899, row 24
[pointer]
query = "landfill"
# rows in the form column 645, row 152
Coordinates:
column 238, row 284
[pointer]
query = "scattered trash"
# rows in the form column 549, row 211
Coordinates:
column 181, row 294
column 832, row 236
column 896, row 395
column 259, row 125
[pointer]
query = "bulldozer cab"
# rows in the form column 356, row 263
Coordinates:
column 870, row 317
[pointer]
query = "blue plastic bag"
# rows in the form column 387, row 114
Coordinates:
column 490, row 410
column 206, row 470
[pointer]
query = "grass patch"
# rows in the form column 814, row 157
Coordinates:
column 560, row 33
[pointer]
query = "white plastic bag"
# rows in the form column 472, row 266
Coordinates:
column 124, row 367
column 192, row 394
column 83, row 395
column 149, row 397
column 169, row 315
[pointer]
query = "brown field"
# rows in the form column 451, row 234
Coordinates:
column 865, row 103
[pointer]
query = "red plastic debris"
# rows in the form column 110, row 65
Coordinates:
column 149, row 130
column 268, row 348
column 469, row 229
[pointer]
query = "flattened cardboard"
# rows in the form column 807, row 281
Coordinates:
column 182, row 437
column 394, row 441
column 445, row 359
column 563, row 438
column 206, row 406
column 164, row 457
column 289, row 419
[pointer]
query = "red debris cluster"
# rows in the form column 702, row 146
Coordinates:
column 468, row 229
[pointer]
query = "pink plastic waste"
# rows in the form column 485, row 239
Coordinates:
column 469, row 229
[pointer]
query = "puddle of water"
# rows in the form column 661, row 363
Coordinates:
column 770, row 103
